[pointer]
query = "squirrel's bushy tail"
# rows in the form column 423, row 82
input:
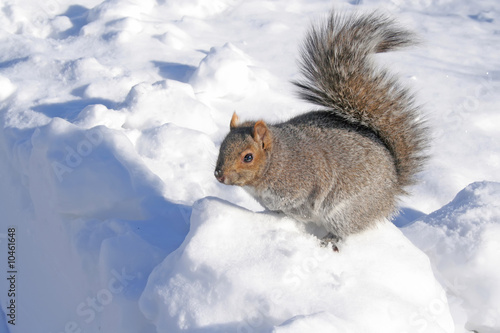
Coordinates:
column 339, row 75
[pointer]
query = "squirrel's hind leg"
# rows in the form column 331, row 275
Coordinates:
column 330, row 239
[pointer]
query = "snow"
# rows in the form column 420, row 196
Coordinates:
column 226, row 71
column 462, row 241
column 6, row 88
column 111, row 117
column 286, row 281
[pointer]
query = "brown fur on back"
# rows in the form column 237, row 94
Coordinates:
column 339, row 75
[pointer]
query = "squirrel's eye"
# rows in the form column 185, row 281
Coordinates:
column 248, row 158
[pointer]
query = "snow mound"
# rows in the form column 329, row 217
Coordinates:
column 462, row 240
column 105, row 238
column 197, row 8
column 167, row 101
column 6, row 88
column 182, row 157
column 226, row 71
column 253, row 272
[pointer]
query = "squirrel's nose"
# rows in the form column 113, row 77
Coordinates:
column 219, row 175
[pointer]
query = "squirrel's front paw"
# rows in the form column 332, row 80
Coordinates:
column 330, row 239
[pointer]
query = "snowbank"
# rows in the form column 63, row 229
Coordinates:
column 252, row 272
column 462, row 240
column 91, row 224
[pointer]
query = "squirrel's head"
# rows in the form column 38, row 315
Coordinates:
column 243, row 153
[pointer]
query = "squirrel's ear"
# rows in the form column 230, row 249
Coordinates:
column 235, row 121
column 262, row 134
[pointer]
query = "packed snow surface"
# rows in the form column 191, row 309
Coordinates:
column 112, row 113
column 274, row 274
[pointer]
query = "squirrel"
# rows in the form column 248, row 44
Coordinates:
column 344, row 165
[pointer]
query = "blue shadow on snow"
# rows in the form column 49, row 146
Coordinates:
column 174, row 71
column 70, row 110
column 78, row 15
column 13, row 62
column 406, row 216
